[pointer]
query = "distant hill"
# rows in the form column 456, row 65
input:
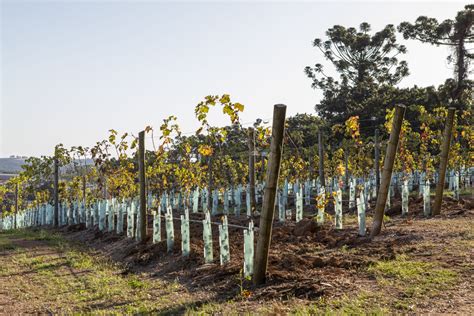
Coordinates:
column 11, row 165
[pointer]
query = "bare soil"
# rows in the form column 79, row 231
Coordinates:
column 308, row 264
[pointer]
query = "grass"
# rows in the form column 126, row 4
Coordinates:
column 61, row 277
column 364, row 303
column 4, row 271
column 6, row 244
column 346, row 250
column 136, row 283
column 353, row 220
column 79, row 260
column 53, row 239
column 48, row 274
column 414, row 280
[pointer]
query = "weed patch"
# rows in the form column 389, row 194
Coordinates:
column 362, row 304
column 413, row 279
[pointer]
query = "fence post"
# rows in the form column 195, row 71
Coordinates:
column 16, row 206
column 377, row 159
column 56, row 198
column 443, row 164
column 346, row 167
column 210, row 182
column 387, row 169
column 84, row 189
column 141, row 179
column 251, row 143
column 268, row 205
column 321, row 159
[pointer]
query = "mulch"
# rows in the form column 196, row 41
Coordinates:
column 305, row 261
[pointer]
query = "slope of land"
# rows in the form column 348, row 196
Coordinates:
column 11, row 165
column 416, row 265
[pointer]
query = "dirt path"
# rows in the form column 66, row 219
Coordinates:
column 417, row 265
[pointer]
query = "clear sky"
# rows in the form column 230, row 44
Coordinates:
column 70, row 71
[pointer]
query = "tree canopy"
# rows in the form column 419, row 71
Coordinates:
column 458, row 34
column 364, row 62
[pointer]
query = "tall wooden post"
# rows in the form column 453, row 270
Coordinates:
column 387, row 170
column 56, row 193
column 84, row 189
column 104, row 188
column 377, row 159
column 443, row 164
column 268, row 206
column 16, row 206
column 321, row 158
column 346, row 167
column 210, row 183
column 251, row 143
column 141, row 179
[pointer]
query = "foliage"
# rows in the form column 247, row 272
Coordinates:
column 457, row 34
column 364, row 63
column 181, row 163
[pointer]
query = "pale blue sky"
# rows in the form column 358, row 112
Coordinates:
column 70, row 71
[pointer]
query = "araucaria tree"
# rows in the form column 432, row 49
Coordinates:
column 457, row 34
column 365, row 63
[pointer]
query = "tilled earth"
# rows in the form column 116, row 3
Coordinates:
column 314, row 268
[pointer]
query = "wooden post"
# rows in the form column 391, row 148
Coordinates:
column 16, row 206
column 104, row 188
column 321, row 159
column 141, row 179
column 210, row 183
column 56, row 193
column 268, row 206
column 346, row 166
column 251, row 144
column 443, row 164
column 387, row 170
column 84, row 189
column 377, row 159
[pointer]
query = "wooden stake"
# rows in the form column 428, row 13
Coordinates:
column 346, row 166
column 84, row 189
column 56, row 193
column 377, row 159
column 443, row 164
column 16, row 206
column 141, row 179
column 210, row 183
column 251, row 144
column 268, row 207
column 310, row 163
column 321, row 159
column 387, row 170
